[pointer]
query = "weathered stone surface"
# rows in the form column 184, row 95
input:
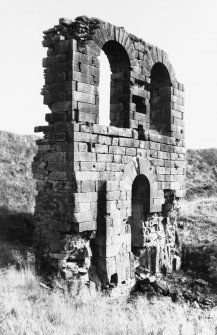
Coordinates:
column 117, row 186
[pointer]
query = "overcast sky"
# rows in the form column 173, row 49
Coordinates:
column 186, row 30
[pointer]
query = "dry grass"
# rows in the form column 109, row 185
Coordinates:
column 27, row 308
column 200, row 236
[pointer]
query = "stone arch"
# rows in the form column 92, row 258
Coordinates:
column 160, row 99
column 119, row 49
column 107, row 32
column 155, row 55
column 119, row 83
column 142, row 166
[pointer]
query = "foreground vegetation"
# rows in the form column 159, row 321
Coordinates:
column 27, row 308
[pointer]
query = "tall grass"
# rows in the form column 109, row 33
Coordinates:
column 27, row 308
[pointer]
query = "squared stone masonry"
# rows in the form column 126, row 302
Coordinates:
column 108, row 196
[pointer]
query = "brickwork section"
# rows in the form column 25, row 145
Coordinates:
column 86, row 213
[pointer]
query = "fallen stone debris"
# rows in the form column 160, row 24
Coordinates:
column 180, row 286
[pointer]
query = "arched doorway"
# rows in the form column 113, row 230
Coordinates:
column 119, row 84
column 140, row 207
column 160, row 101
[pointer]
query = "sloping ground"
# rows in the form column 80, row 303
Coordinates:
column 199, row 237
column 201, row 173
column 17, row 187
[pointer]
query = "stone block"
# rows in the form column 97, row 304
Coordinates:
column 84, row 206
column 85, row 226
column 99, row 129
column 100, row 148
column 81, row 146
column 88, row 69
column 83, row 97
column 86, row 166
column 100, row 166
column 85, row 197
column 121, row 132
column 112, row 185
column 104, row 140
column 85, row 137
column 117, row 150
column 88, row 186
column 117, row 158
column 114, row 167
column 126, row 142
column 86, row 88
column 178, row 107
column 85, row 156
column 86, row 117
column 177, row 114
column 83, row 217
column 115, row 141
column 104, row 158
column 131, row 151
column 112, row 195
column 86, row 175
column 83, row 78
column 87, row 108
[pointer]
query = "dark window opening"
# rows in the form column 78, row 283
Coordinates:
column 140, row 104
column 119, row 84
column 160, row 100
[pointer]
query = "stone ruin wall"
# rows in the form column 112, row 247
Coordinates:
column 108, row 197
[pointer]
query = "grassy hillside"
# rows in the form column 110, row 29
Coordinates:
column 201, row 177
column 200, row 237
column 17, row 187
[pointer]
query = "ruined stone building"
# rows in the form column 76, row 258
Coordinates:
column 108, row 195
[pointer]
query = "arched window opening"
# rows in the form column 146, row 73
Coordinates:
column 140, row 208
column 160, row 117
column 119, row 86
column 104, row 90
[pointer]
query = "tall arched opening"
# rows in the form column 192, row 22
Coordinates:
column 160, row 100
column 119, row 84
column 140, row 208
